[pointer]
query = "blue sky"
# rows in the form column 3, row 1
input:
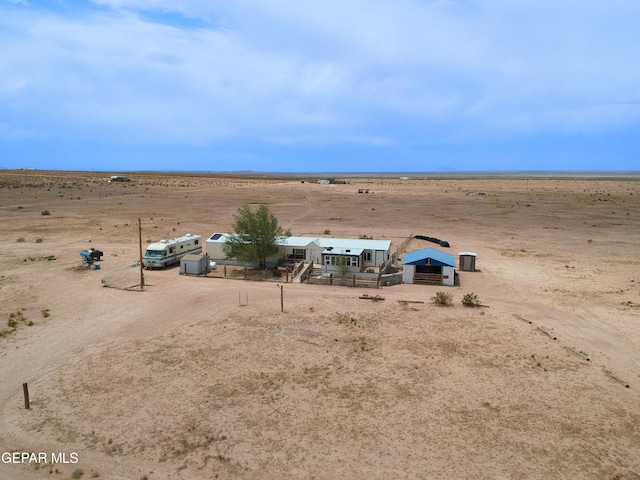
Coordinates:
column 337, row 85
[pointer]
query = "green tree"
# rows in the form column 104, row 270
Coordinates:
column 343, row 266
column 257, row 235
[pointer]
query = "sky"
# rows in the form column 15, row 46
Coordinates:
column 320, row 86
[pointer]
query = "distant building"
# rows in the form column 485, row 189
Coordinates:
column 119, row 178
column 332, row 181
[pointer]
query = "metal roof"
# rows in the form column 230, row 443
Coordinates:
column 299, row 242
column 343, row 243
column 419, row 257
column 192, row 257
column 303, row 242
column 354, row 243
column 348, row 252
column 218, row 237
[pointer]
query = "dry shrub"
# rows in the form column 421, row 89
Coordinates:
column 471, row 300
column 443, row 298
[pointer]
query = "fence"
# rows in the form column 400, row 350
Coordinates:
column 391, row 279
column 362, row 280
column 400, row 248
column 405, row 242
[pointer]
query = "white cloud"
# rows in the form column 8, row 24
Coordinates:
column 331, row 70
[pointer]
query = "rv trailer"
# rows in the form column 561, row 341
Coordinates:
column 169, row 251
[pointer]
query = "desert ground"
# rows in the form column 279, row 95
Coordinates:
column 205, row 377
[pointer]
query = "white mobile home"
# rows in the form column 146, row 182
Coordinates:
column 332, row 254
column 169, row 251
column 355, row 255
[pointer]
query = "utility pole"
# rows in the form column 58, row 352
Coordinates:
column 141, row 265
column 281, row 287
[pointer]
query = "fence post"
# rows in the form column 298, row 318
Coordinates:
column 331, row 279
column 25, row 390
column 354, row 279
column 378, row 282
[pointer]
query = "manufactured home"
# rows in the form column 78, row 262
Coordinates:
column 333, row 255
column 169, row 251
column 429, row 266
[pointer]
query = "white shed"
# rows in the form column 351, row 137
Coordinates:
column 194, row 264
column 467, row 261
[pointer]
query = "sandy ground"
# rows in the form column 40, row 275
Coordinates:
column 199, row 378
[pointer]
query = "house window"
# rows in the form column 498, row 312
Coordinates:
column 367, row 257
column 339, row 260
column 299, row 254
column 197, row 241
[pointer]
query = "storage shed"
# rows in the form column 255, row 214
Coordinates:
column 467, row 261
column 194, row 264
column 429, row 267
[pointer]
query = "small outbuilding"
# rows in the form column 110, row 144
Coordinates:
column 429, row 267
column 467, row 261
column 194, row 264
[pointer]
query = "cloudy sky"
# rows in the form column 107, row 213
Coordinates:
column 336, row 85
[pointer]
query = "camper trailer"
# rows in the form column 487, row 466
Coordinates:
column 170, row 251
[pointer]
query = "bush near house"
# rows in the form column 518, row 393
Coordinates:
column 443, row 298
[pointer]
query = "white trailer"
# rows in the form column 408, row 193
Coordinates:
column 169, row 251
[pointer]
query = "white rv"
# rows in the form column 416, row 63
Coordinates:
column 170, row 251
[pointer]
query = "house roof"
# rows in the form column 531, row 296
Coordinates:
column 419, row 257
column 300, row 242
column 336, row 243
column 348, row 252
column 192, row 257
column 354, row 243
column 218, row 237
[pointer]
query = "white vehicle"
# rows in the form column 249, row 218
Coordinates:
column 169, row 251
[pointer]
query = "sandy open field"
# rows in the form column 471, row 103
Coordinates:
column 182, row 381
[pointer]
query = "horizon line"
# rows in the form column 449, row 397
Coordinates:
column 314, row 174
